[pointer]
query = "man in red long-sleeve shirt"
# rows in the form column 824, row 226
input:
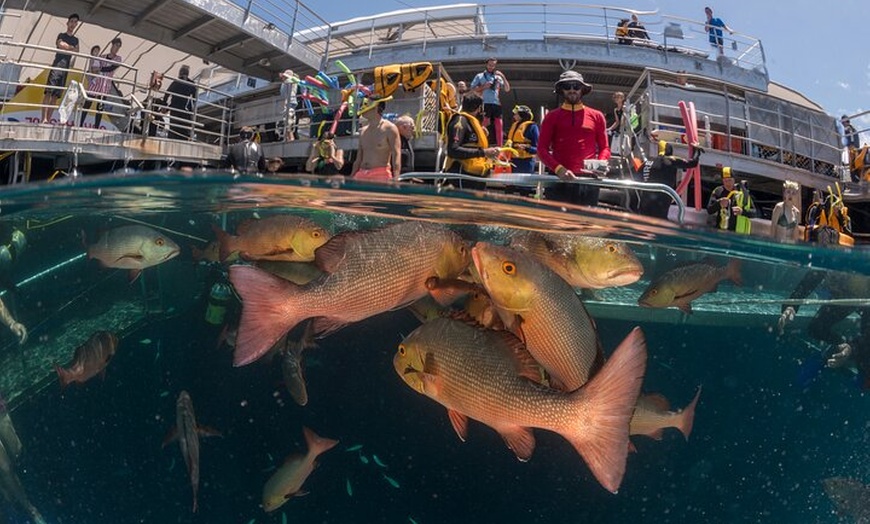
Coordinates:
column 571, row 134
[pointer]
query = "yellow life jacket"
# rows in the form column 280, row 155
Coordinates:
column 387, row 80
column 517, row 135
column 414, row 75
column 479, row 166
column 743, row 224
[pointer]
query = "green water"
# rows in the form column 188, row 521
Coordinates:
column 766, row 433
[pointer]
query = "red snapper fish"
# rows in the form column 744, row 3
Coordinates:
column 653, row 414
column 133, row 247
column 490, row 377
column 543, row 311
column 583, row 261
column 90, row 359
column 683, row 284
column 287, row 481
column 365, row 273
column 287, row 238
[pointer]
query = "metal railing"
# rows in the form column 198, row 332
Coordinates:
column 539, row 182
column 532, row 21
column 802, row 138
column 292, row 19
column 130, row 101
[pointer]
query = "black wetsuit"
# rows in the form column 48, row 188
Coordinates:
column 663, row 170
column 246, row 157
column 821, row 327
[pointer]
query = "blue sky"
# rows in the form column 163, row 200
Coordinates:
column 811, row 46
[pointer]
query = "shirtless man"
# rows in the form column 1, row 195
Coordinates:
column 379, row 157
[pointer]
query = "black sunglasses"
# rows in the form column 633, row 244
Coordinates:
column 572, row 86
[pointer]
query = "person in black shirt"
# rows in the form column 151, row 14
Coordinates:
column 62, row 61
column 663, row 170
column 179, row 97
column 246, row 156
column 326, row 157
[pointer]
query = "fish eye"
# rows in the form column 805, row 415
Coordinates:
column 159, row 241
column 402, row 350
column 316, row 233
column 611, row 248
column 653, row 292
column 508, row 267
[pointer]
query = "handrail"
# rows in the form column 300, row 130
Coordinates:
column 520, row 21
column 538, row 180
column 213, row 128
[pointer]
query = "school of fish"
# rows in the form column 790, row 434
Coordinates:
column 504, row 337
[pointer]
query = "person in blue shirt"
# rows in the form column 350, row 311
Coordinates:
column 488, row 84
column 714, row 27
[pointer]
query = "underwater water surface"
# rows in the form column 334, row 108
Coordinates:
column 769, row 427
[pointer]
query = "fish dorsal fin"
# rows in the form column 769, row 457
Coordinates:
column 520, row 440
column 526, row 365
column 463, row 316
column 459, row 423
column 171, row 436
column 207, row 431
column 322, row 326
column 446, row 291
column 245, row 226
column 329, row 256
column 654, row 401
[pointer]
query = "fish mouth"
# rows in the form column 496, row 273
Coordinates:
column 626, row 272
column 625, row 276
column 409, row 369
column 172, row 254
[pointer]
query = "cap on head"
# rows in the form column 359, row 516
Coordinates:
column 568, row 77
column 665, row 148
column 726, row 173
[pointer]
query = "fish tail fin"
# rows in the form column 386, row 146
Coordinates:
column 316, row 443
column 687, row 416
column 224, row 240
column 604, row 407
column 271, row 306
column 63, row 376
column 732, row 271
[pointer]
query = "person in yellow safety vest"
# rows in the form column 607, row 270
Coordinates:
column 730, row 207
column 468, row 148
column 827, row 218
column 523, row 136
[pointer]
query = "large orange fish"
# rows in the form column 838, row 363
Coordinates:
column 281, row 237
column 287, row 481
column 488, row 376
column 366, row 273
column 653, row 414
column 583, row 261
column 544, row 311
column 133, row 247
column 90, row 359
